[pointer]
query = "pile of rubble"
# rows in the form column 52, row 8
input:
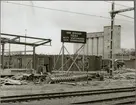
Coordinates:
column 125, row 74
column 24, row 79
column 14, row 80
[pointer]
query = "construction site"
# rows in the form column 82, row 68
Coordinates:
column 96, row 72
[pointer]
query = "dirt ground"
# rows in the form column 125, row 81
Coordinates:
column 118, row 81
column 7, row 90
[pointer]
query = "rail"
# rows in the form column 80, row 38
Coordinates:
column 19, row 98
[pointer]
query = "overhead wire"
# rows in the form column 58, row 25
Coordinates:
column 126, row 16
column 64, row 11
column 58, row 10
column 122, row 6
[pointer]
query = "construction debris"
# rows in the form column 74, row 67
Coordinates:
column 8, row 81
column 124, row 74
column 68, row 83
column 19, row 79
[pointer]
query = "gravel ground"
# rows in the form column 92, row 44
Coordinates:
column 68, row 101
column 27, row 89
column 47, row 88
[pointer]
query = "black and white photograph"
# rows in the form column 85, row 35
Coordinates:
column 67, row 52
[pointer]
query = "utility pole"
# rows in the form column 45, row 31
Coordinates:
column 111, row 41
column 113, row 13
column 0, row 57
column 0, row 53
column 135, row 40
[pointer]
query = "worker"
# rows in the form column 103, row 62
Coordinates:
column 106, row 67
column 46, row 66
column 40, row 70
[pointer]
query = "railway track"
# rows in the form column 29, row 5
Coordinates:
column 20, row 98
column 122, row 100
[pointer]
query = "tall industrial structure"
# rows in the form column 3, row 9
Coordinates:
column 99, row 42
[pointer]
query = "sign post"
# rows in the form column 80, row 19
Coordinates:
column 73, row 36
column 62, row 56
column 69, row 36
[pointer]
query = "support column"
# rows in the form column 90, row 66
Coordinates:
column 0, row 54
column 87, row 58
column 9, row 57
column 34, row 67
column 135, row 40
column 92, row 45
column 97, row 45
column 2, row 58
column 63, row 56
column 103, row 48
column 83, row 58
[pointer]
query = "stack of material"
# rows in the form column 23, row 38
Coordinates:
column 68, row 79
column 76, row 78
column 9, row 81
column 18, row 79
column 15, row 71
column 124, row 74
column 21, row 76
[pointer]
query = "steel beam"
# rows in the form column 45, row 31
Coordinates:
column 43, row 43
column 62, row 62
column 2, row 58
column 23, row 36
column 97, row 46
column 34, row 58
column 92, row 45
column 15, row 38
column 122, row 10
column 103, row 48
column 13, row 41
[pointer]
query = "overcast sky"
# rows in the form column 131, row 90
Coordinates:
column 48, row 23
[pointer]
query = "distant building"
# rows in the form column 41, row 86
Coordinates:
column 99, row 42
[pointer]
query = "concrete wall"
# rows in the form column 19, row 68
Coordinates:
column 122, row 57
column 93, row 61
column 130, row 64
column 103, row 42
column 27, row 61
column 116, row 40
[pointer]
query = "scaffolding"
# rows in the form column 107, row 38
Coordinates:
column 18, row 39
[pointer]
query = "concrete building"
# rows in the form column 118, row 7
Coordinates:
column 98, row 43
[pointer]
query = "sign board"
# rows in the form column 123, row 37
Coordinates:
column 73, row 36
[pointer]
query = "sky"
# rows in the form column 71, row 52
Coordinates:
column 47, row 23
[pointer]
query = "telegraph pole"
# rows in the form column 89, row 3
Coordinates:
column 113, row 13
column 0, row 56
column 135, row 38
column 111, row 42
